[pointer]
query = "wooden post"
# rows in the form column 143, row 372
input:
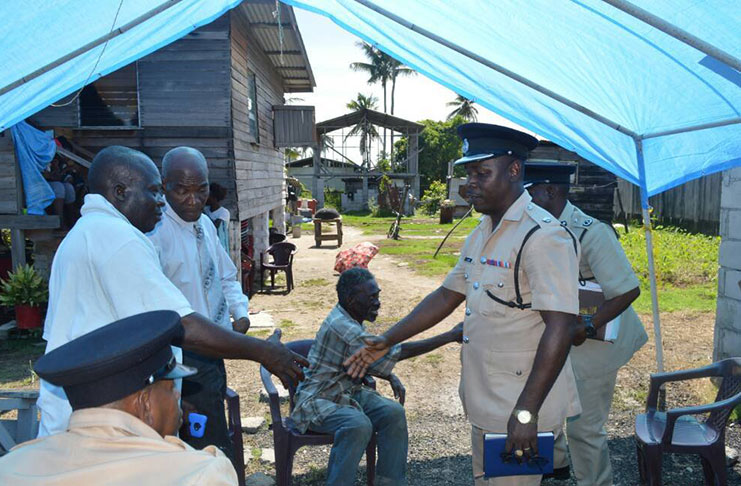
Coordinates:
column 17, row 237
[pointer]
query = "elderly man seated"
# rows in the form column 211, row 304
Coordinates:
column 125, row 413
column 329, row 401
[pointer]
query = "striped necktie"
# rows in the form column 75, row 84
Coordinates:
column 211, row 284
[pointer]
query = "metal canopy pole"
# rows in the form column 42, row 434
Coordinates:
column 650, row 253
column 674, row 31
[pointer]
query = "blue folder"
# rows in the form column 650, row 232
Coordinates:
column 495, row 466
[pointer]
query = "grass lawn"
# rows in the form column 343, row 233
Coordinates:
column 686, row 263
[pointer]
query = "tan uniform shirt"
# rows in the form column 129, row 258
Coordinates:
column 500, row 342
column 603, row 259
column 111, row 447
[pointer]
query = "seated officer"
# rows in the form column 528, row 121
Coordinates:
column 595, row 363
column 119, row 381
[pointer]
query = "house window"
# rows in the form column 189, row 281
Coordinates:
column 111, row 101
column 252, row 106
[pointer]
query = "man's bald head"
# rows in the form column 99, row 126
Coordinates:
column 181, row 158
column 129, row 180
column 185, row 177
column 115, row 164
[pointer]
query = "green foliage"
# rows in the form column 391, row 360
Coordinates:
column 433, row 197
column 438, row 144
column 333, row 198
column 682, row 258
column 24, row 287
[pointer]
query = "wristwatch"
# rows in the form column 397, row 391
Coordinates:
column 586, row 319
column 524, row 416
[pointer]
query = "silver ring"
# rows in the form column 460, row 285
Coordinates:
column 518, row 453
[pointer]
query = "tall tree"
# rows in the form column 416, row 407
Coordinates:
column 366, row 130
column 463, row 108
column 381, row 68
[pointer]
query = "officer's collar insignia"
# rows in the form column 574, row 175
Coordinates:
column 468, row 259
column 465, row 146
column 588, row 221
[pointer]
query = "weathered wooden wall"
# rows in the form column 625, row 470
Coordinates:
column 184, row 99
column 593, row 186
column 259, row 171
column 694, row 205
column 8, row 191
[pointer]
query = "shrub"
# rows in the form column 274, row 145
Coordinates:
column 434, row 196
column 333, row 198
column 24, row 287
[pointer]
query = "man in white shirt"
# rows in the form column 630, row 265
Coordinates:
column 194, row 260
column 106, row 269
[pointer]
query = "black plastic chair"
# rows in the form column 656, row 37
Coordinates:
column 235, row 432
column 282, row 260
column 287, row 440
column 678, row 431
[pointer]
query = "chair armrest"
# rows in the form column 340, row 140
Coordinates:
column 273, row 398
column 658, row 379
column 674, row 414
column 369, row 381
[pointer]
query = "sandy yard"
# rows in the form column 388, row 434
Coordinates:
column 439, row 434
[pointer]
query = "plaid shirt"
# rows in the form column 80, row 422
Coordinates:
column 326, row 386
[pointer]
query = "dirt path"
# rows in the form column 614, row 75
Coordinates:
column 439, row 451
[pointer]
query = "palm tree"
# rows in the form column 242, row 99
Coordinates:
column 464, row 108
column 364, row 128
column 381, row 68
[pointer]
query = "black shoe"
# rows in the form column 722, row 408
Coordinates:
column 559, row 474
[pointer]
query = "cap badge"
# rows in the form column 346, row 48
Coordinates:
column 465, row 146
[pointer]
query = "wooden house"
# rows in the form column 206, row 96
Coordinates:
column 219, row 89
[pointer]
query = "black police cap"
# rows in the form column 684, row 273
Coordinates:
column 115, row 360
column 483, row 141
column 547, row 173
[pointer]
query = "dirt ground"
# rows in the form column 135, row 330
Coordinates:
column 439, row 434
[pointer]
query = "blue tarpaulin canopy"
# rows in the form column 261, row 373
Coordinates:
column 633, row 81
column 652, row 94
column 52, row 49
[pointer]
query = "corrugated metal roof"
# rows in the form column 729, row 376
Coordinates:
column 282, row 43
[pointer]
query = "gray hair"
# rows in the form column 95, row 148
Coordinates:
column 349, row 280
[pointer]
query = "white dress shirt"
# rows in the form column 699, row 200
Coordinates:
column 104, row 270
column 175, row 240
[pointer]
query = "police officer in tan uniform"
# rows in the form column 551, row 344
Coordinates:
column 119, row 381
column 595, row 363
column 518, row 275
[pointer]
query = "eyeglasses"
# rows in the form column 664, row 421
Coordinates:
column 532, row 461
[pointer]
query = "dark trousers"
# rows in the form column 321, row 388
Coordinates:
column 206, row 391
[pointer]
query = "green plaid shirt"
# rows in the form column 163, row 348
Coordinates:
column 326, row 386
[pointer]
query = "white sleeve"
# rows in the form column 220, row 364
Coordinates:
column 237, row 301
column 134, row 282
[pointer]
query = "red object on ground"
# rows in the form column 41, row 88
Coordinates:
column 357, row 256
column 27, row 317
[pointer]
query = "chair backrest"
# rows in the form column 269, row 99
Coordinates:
column 729, row 386
column 274, row 238
column 301, row 347
column 281, row 252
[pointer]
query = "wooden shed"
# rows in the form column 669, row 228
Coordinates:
column 216, row 89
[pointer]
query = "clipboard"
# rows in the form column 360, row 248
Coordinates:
column 590, row 298
column 494, row 466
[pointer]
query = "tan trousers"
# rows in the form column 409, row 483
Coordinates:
column 587, row 437
column 477, row 446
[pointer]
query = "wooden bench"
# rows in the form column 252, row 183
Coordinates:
column 319, row 237
column 13, row 432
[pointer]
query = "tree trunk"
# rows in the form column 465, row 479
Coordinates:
column 393, row 90
column 384, row 110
